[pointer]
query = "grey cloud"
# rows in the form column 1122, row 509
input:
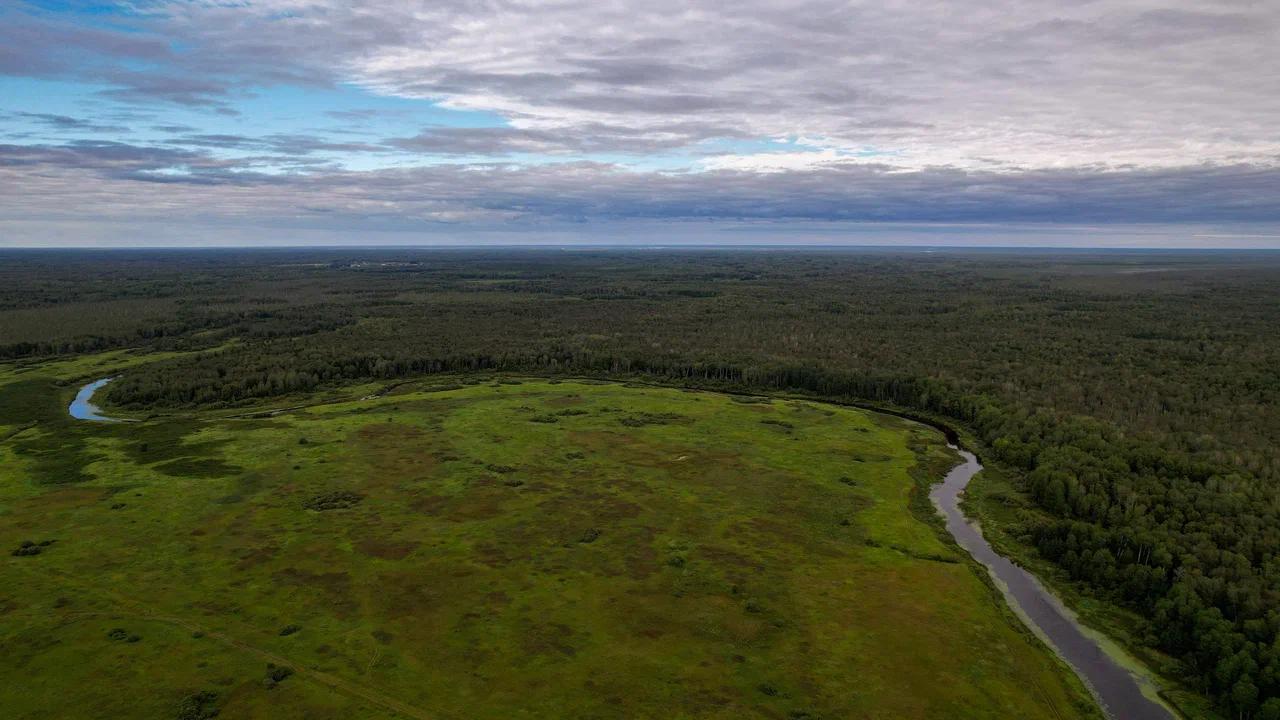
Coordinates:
column 66, row 175
column 584, row 138
column 67, row 123
column 1107, row 111
column 285, row 145
column 1021, row 83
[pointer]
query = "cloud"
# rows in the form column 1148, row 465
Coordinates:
column 1107, row 111
column 115, row 180
column 68, row 124
column 1109, row 83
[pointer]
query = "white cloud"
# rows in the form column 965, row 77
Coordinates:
column 1024, row 83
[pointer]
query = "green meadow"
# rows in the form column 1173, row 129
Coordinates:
column 492, row 547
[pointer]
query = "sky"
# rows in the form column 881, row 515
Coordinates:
column 1126, row 123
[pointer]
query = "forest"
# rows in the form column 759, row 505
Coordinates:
column 1132, row 395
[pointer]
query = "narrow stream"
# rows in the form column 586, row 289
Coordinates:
column 83, row 409
column 1117, row 689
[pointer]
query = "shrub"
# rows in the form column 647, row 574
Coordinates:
column 589, row 536
column 276, row 674
column 336, row 500
column 202, row 705
column 289, row 629
column 646, row 418
column 27, row 548
column 118, row 634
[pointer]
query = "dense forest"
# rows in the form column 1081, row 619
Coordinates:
column 1136, row 393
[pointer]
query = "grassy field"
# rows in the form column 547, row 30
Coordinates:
column 492, row 549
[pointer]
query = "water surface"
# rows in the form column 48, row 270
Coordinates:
column 1118, row 690
column 82, row 409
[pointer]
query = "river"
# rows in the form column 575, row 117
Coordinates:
column 83, row 409
column 1118, row 690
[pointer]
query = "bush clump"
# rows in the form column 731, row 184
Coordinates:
column 276, row 674
column 289, row 629
column 336, row 500
column 202, row 705
column 28, row 548
column 647, row 418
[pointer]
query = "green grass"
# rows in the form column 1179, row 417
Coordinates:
column 513, row 548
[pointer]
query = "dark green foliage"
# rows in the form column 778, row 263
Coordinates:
column 289, row 630
column 1143, row 409
column 28, row 548
column 276, row 674
column 202, row 705
column 336, row 500
column 646, row 418
column 589, row 536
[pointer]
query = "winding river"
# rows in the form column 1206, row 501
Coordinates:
column 1119, row 691
column 82, row 408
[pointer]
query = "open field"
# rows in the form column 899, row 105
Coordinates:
column 493, row 549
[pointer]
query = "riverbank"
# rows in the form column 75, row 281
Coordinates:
column 1123, row 695
column 994, row 502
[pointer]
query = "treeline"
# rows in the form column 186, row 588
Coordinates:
column 1192, row 546
column 1142, row 409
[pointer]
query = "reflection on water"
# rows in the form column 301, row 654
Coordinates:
column 82, row 409
column 1118, row 690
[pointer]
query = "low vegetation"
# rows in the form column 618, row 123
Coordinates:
column 703, row 566
column 1132, row 399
